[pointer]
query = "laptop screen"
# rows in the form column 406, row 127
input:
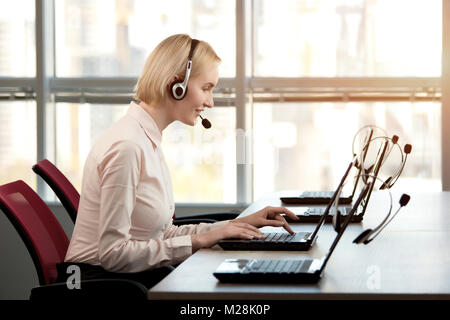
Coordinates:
column 365, row 200
column 362, row 195
column 332, row 200
column 378, row 163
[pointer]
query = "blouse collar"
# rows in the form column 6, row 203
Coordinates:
column 146, row 121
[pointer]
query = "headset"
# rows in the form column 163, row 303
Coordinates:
column 390, row 181
column 365, row 236
column 178, row 88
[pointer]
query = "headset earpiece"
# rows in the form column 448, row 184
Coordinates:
column 363, row 236
column 178, row 90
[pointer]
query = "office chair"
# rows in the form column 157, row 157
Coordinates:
column 47, row 244
column 70, row 197
column 62, row 187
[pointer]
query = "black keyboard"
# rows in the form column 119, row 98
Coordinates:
column 273, row 241
column 317, row 194
column 282, row 237
column 313, row 214
column 318, row 211
column 277, row 266
column 315, row 197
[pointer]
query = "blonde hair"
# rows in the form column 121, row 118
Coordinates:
column 168, row 60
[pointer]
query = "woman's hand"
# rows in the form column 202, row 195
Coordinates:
column 269, row 216
column 244, row 228
column 233, row 229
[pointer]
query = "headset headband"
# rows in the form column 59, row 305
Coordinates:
column 179, row 88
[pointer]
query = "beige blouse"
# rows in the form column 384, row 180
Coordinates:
column 124, row 220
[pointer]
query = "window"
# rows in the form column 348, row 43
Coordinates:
column 113, row 38
column 308, row 146
column 17, row 141
column 382, row 38
column 17, row 45
column 316, row 71
column 17, row 111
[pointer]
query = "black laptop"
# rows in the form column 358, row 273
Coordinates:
column 323, row 197
column 299, row 241
column 282, row 271
column 314, row 214
column 303, row 241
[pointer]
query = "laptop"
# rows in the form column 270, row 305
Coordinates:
column 305, row 270
column 314, row 214
column 303, row 241
column 299, row 241
column 323, row 197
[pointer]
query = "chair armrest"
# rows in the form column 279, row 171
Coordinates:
column 218, row 216
column 97, row 289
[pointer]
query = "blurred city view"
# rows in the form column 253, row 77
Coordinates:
column 295, row 145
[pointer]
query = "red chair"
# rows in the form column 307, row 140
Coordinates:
column 47, row 244
column 70, row 197
column 62, row 187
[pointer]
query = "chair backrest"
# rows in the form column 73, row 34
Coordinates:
column 41, row 232
column 62, row 187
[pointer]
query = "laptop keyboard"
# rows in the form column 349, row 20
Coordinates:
column 318, row 211
column 277, row 266
column 282, row 237
column 317, row 194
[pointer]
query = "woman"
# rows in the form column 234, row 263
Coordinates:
column 124, row 224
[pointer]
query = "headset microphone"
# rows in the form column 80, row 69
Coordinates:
column 179, row 88
column 364, row 236
column 205, row 123
column 393, row 179
column 407, row 148
column 394, row 139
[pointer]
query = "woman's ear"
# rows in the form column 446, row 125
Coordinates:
column 175, row 78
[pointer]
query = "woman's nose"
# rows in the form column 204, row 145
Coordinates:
column 209, row 103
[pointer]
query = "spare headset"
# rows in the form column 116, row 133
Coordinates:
column 390, row 181
column 178, row 88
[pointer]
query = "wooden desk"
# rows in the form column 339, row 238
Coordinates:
column 410, row 259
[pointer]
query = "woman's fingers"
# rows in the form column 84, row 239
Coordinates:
column 279, row 210
column 250, row 235
column 285, row 224
column 274, row 214
column 278, row 221
column 272, row 222
column 247, row 226
column 245, row 230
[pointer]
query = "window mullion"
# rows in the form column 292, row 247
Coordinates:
column 44, row 72
column 445, row 106
column 244, row 169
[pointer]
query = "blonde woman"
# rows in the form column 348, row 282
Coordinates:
column 124, row 225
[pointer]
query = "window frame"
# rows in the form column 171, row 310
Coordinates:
column 240, row 91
